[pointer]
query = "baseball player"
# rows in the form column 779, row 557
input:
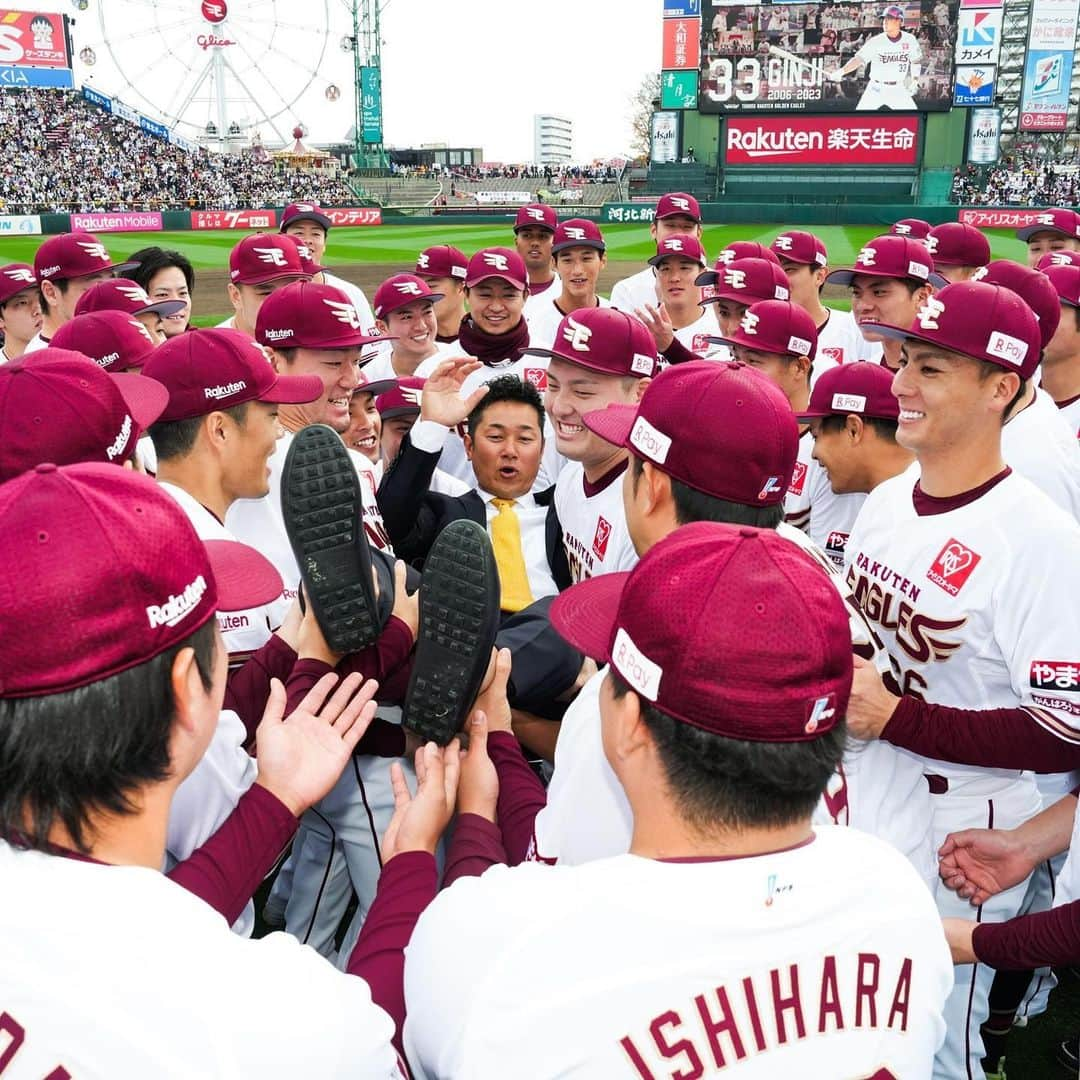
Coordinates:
column 65, row 267
column 129, row 297
column 958, row 250
column 677, row 213
column 892, row 278
column 805, row 259
column 915, row 228
column 166, row 275
column 364, row 433
column 1061, row 356
column 309, row 223
column 258, row 265
column 944, row 563
column 697, row 729
column 154, row 642
column 1058, row 258
column 1056, row 229
column 534, row 233
column 444, row 268
column 113, row 340
column 405, row 310
column 20, row 309
column 579, row 251
column 895, row 59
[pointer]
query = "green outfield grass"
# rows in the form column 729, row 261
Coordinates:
column 400, row 243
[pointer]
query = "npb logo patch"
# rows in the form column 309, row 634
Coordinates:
column 954, row 564
column 772, row 486
column 821, row 712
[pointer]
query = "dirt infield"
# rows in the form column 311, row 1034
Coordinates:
column 211, row 296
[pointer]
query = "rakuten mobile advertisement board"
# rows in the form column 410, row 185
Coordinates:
column 827, row 57
column 820, row 140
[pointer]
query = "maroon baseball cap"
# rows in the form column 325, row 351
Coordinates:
column 862, row 388
column 399, row 291
column 776, row 667
column 914, row 227
column 1057, row 220
column 307, row 258
column 375, row 386
column 676, row 203
column 403, row 400
column 957, row 244
column 1066, row 283
column 891, row 257
column 746, row 281
column 800, row 247
column 985, row 322
column 536, row 215
column 113, row 340
column 1033, row 288
column 441, row 261
column 58, row 405
column 110, row 574
column 684, row 245
column 264, row 257
column 722, row 428
column 123, row 294
column 73, row 255
column 303, row 211
column 604, row 340
column 744, row 249
column 775, row 326
column 497, row 262
column 16, row 278
column 206, row 371
column 307, row 315
column 1058, row 258
column 577, row 232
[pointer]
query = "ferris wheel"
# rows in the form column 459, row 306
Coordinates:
column 217, row 69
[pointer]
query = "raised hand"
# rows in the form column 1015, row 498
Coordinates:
column 420, row 820
column 441, row 399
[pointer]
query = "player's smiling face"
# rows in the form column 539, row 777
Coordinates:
column 311, row 234
column 573, row 391
column 675, row 276
column 884, row 300
column 169, row 283
column 579, row 270
column 365, row 426
column 339, row 370
column 415, row 327
column 496, row 306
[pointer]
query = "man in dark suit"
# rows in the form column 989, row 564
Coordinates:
column 504, row 440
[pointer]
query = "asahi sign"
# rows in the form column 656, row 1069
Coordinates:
column 864, row 139
column 984, row 136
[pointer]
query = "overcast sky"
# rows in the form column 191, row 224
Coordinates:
column 470, row 73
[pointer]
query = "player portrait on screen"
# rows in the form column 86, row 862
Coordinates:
column 822, row 57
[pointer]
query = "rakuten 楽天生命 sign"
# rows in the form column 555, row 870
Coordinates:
column 819, row 140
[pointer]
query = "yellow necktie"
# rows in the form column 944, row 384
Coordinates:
column 506, row 540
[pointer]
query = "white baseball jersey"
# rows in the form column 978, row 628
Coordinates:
column 35, row 343
column 643, row 968
column 1039, row 444
column 228, row 324
column 543, row 316
column 878, row 788
column 696, row 336
column 635, row 291
column 890, row 59
column 593, row 521
column 811, row 504
column 840, row 341
column 356, row 298
column 1071, row 411
column 532, row 369
column 382, row 367
column 196, row 1000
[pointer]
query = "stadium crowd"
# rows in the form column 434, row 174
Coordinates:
column 65, row 155
column 759, row 616
column 1021, row 178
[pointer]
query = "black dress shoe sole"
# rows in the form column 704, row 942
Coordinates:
column 323, row 512
column 1068, row 1055
column 459, row 617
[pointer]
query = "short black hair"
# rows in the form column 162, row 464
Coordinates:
column 692, row 505
column 151, row 260
column 176, row 438
column 508, row 388
column 883, row 427
column 719, row 782
column 66, row 756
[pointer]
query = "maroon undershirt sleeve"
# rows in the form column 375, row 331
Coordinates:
column 1027, row 942
column 521, row 795
column 228, row 868
column 678, row 353
column 388, row 660
column 407, row 884
column 989, row 738
column 476, row 845
column 248, row 687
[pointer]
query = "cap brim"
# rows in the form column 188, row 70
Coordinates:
column 263, row 279
column 510, row 280
column 707, row 277
column 146, row 398
column 1028, row 231
column 293, row 390
column 656, row 260
column 586, row 613
column 551, row 354
column 847, row 275
column 534, row 225
column 164, row 308
column 122, row 268
column 378, row 386
column 599, row 245
column 680, row 213
column 244, row 577
column 319, row 219
column 433, row 297
column 612, row 424
column 398, row 410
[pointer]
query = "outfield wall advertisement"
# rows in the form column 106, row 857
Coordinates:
column 34, row 49
column 1044, row 100
column 819, row 140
